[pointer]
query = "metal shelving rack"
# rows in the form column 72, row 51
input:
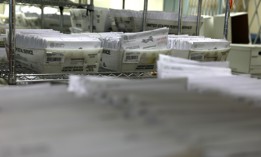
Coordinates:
column 25, row 76
column 13, row 69
column 63, row 3
column 53, row 77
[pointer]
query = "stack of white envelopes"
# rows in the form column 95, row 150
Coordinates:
column 198, row 47
column 211, row 77
column 111, row 117
column 81, row 20
column 132, row 52
column 48, row 51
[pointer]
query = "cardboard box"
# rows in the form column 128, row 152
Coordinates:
column 59, row 61
column 138, row 60
column 245, row 58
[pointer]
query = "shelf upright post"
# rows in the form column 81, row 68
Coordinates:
column 11, row 42
column 199, row 16
column 180, row 16
column 145, row 12
column 91, row 10
column 123, row 4
column 42, row 15
column 226, row 23
column 61, row 8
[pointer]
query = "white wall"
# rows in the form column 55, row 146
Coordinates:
column 138, row 4
column 130, row 4
column 251, row 10
column 115, row 4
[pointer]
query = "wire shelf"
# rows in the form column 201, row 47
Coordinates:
column 64, row 77
column 25, row 76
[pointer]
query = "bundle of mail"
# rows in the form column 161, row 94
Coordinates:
column 129, row 21
column 48, row 51
column 3, row 57
column 131, row 52
column 81, row 20
column 210, row 77
column 113, row 117
column 205, row 123
column 53, row 21
column 169, row 66
column 26, row 20
column 198, row 47
column 126, row 20
column 2, row 34
column 158, row 19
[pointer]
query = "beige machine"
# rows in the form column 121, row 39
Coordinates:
column 238, row 30
column 245, row 58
